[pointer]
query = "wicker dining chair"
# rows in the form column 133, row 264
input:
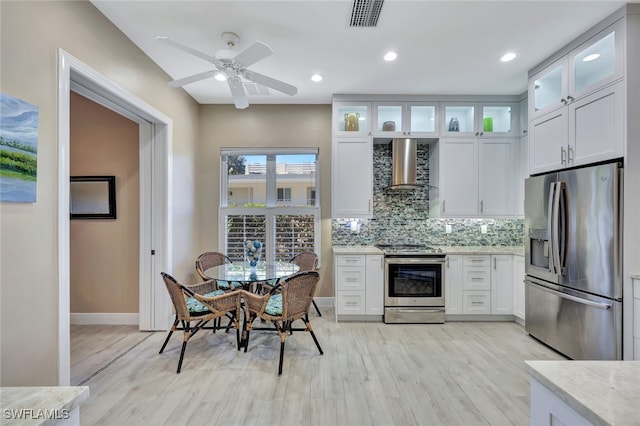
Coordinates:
column 200, row 303
column 288, row 301
column 307, row 261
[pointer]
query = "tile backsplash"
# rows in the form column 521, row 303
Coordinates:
column 403, row 216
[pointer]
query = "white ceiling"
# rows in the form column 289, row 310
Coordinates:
column 444, row 47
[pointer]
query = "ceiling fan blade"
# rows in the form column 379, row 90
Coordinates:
column 254, row 53
column 191, row 79
column 237, row 93
column 272, row 83
column 186, row 48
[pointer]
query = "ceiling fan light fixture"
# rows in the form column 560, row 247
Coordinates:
column 390, row 56
column 316, row 78
column 220, row 77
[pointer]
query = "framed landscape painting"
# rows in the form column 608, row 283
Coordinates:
column 18, row 150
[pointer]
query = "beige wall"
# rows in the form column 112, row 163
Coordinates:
column 105, row 253
column 264, row 126
column 30, row 35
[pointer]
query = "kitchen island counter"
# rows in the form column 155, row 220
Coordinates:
column 602, row 392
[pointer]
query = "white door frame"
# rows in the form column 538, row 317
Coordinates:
column 156, row 130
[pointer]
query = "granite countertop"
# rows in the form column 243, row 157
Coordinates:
column 517, row 250
column 603, row 392
column 356, row 250
column 37, row 405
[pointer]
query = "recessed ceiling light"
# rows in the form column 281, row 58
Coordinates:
column 508, row 57
column 390, row 56
column 220, row 77
column 591, row 57
column 316, row 78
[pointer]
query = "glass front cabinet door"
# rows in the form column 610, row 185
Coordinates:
column 597, row 62
column 493, row 119
column 352, row 119
column 404, row 119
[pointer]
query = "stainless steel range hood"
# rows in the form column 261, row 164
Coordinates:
column 404, row 164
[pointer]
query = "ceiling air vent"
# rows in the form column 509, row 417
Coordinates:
column 365, row 13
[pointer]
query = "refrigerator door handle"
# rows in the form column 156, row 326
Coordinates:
column 562, row 227
column 550, row 213
column 598, row 305
column 555, row 224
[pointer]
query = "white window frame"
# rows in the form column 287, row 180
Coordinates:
column 271, row 210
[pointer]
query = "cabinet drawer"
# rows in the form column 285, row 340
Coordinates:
column 351, row 278
column 479, row 260
column 476, row 302
column 351, row 302
column 351, row 260
column 476, row 279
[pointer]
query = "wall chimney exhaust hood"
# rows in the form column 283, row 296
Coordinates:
column 404, row 164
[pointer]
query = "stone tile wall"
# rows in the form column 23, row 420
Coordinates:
column 403, row 216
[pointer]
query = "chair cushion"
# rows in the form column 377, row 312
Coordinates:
column 195, row 307
column 274, row 305
column 225, row 285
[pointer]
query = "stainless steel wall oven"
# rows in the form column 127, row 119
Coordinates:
column 414, row 287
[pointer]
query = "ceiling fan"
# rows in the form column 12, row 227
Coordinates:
column 232, row 67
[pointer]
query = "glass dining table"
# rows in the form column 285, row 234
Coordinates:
column 250, row 277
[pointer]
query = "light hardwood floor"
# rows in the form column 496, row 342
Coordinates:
column 370, row 374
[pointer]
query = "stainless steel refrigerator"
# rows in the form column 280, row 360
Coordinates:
column 573, row 245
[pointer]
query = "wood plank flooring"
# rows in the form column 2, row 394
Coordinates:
column 455, row 373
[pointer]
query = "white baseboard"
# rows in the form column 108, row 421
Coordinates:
column 104, row 318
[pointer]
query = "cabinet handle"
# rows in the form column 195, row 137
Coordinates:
column 494, row 263
column 569, row 154
column 351, row 303
column 481, row 133
column 477, row 260
column 564, row 101
column 481, row 206
column 369, row 205
column 570, row 98
column 563, row 160
column 477, row 279
column 447, row 263
column 477, row 133
column 352, row 280
column 477, row 303
column 443, row 209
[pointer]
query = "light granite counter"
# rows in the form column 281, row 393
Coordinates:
column 602, row 392
column 42, row 405
column 356, row 250
column 515, row 250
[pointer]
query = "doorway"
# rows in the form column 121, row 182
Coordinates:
column 155, row 193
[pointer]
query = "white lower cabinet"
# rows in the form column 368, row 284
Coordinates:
column 502, row 284
column 479, row 284
column 453, row 285
column 636, row 318
column 547, row 409
column 359, row 285
column 518, row 287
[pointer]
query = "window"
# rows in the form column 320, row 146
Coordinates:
column 270, row 196
column 284, row 196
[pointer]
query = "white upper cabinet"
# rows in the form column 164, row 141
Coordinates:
column 352, row 175
column 476, row 178
column 487, row 119
column 596, row 63
column 352, row 119
column 405, row 119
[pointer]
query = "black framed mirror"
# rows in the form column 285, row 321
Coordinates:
column 92, row 197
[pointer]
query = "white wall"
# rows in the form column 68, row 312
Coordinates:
column 30, row 35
